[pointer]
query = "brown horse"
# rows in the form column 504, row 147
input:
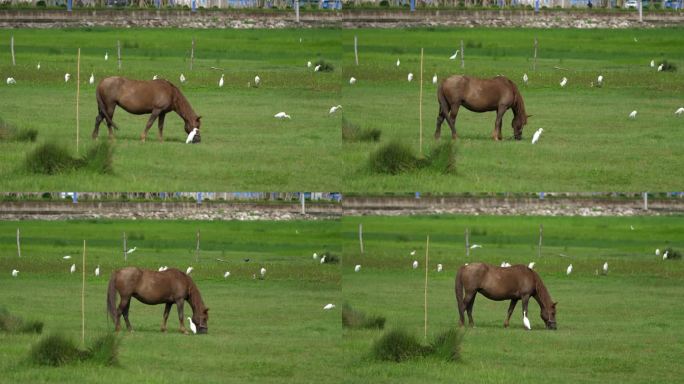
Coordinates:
column 157, row 97
column 480, row 95
column 517, row 282
column 151, row 287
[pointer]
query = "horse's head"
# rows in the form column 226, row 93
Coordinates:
column 518, row 123
column 200, row 318
column 190, row 125
column 548, row 314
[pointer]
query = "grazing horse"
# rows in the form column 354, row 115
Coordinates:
column 517, row 282
column 151, row 287
column 480, row 95
column 157, row 97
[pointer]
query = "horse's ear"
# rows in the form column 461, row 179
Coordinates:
column 528, row 116
column 206, row 310
column 554, row 304
column 198, row 118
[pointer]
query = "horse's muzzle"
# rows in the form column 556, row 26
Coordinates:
column 197, row 139
column 202, row 331
column 551, row 325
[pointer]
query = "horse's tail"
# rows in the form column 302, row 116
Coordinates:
column 111, row 297
column 103, row 110
column 444, row 107
column 458, row 290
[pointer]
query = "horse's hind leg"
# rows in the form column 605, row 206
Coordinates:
column 161, row 126
column 469, row 301
column 510, row 312
column 181, row 318
column 98, row 120
column 438, row 126
column 153, row 117
column 125, row 315
column 167, row 309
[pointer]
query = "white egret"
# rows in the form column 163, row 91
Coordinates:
column 308, row 64
column 155, row 77
column 599, row 80
column 191, row 136
column 631, row 227
column 257, row 80
column 317, row 68
column 526, row 321
column 131, row 250
column 352, row 81
column 221, row 82
column 633, row 114
column 334, row 109
column 281, row 115
column 91, row 80
column 106, row 56
column 67, row 257
column 657, row 252
column 434, row 79
column 38, row 66
column 525, row 78
column 15, row 273
column 605, row 267
column 569, row 270
column 262, row 271
column 161, row 269
column 563, row 82
column 97, row 270
column 323, row 259
column 454, row 56
column 398, row 62
column 66, row 77
column 410, row 77
column 415, row 264
column 665, row 255
column 531, row 265
column 193, row 328
column 189, row 270
column 439, row 267
column 182, row 78
column 315, row 256
column 536, row 135
column 660, row 67
column 679, row 111
column 73, row 268
column 10, row 80
column 357, row 268
column 329, row 306
column 475, row 246
column 505, row 264
column 226, row 274
column 413, row 252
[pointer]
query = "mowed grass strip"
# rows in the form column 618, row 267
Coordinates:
column 589, row 143
column 620, row 326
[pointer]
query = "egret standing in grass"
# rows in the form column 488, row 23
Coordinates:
column 398, row 62
column 15, row 273
column 679, row 111
column 352, row 80
column 97, row 270
column 323, row 259
column 415, row 264
column 263, row 272
column 193, row 328
column 91, row 80
column 605, row 268
column 317, row 68
column 73, row 268
column 434, row 79
column 131, row 250
column 106, row 56
column 66, row 77
column 536, row 135
column 38, row 66
column 652, row 63
column 633, row 114
column 454, row 56
column 530, row 265
column 657, row 252
column 315, row 256
column 665, row 255
column 599, row 81
column 189, row 270
column 329, row 306
column 191, row 136
column 226, row 274
column 10, row 80
column 563, row 82
column 334, row 109
column 155, row 77
column 257, row 80
column 357, row 268
column 525, row 78
column 439, row 267
column 308, row 64
column 221, row 82
column 660, row 67
column 413, row 252
column 475, row 246
column 410, row 77
column 281, row 115
column 526, row 321
column 182, row 78
column 67, row 257
column 569, row 270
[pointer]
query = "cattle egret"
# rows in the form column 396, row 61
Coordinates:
column 652, row 63
column 191, row 136
column 434, row 79
column 665, row 255
column 193, row 328
column 569, row 270
column 334, row 109
column 357, row 268
column 38, row 66
column 475, row 246
column 536, row 135
column 281, row 115
column 225, row 275
column 97, row 271
column 599, row 80
column 439, row 267
column 262, row 271
column 323, row 259
column 415, row 264
column 161, row 269
column 563, row 82
column 189, row 270
column 413, row 252
column 15, row 273
column 317, row 67
column 679, row 111
column 660, row 67
column 410, row 77
column 308, row 64
column 605, row 267
column 131, row 250
column 329, row 306
column 182, row 78
column 531, row 265
column 257, row 80
column 91, row 80
column 398, row 62
column 352, row 81
column 106, row 56
column 10, row 80
column 526, row 321
column 155, row 77
column 631, row 227
column 221, row 82
column 315, row 256
column 453, row 57
column 633, row 114
column 73, row 268
column 505, row 264
column 525, row 78
column 67, row 257
column 66, row 77
column 657, row 252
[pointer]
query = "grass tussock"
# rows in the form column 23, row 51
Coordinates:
column 396, row 157
column 673, row 254
column 353, row 133
column 667, row 66
column 329, row 258
column 57, row 350
column 355, row 319
column 9, row 132
column 52, row 158
column 325, row 66
column 14, row 324
column 398, row 345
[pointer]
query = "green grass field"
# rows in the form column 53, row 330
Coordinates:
column 589, row 143
column 621, row 327
column 267, row 331
column 243, row 146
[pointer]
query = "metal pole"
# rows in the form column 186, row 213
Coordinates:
column 18, row 243
column 192, row 53
column 297, row 10
column 78, row 94
column 118, row 52
column 83, row 295
column 645, row 201
column 534, row 63
column 467, row 242
column 302, row 199
column 541, row 236
column 125, row 251
column 356, row 50
column 420, row 103
column 12, row 48
column 462, row 57
column 427, row 250
column 361, row 237
column 197, row 250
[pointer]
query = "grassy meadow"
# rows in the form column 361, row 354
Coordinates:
column 267, row 330
column 588, row 143
column 243, row 146
column 619, row 327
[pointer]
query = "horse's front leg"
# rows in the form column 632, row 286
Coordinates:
column 167, row 309
column 161, row 126
column 496, row 135
column 510, row 312
column 98, row 121
column 181, row 318
column 469, row 301
column 153, row 117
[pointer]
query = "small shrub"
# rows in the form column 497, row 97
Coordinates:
column 442, row 158
column 105, row 350
column 398, row 345
column 393, row 158
column 330, row 258
column 54, row 350
column 14, row 324
column 667, row 66
column 324, row 66
column 9, row 132
column 384, row 3
column 100, row 158
column 50, row 159
column 673, row 254
column 447, row 345
column 353, row 133
column 355, row 319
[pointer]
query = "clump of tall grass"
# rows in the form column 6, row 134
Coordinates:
column 355, row 319
column 353, row 133
column 56, row 350
column 667, row 66
column 14, row 324
column 442, row 157
column 325, row 66
column 673, row 254
column 329, row 258
column 399, row 345
column 51, row 158
column 9, row 132
column 396, row 157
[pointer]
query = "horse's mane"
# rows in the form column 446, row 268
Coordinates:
column 518, row 104
column 542, row 292
column 194, row 296
column 180, row 103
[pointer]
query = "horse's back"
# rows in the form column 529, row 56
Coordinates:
column 498, row 283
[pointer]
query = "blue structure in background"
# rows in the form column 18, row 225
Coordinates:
column 157, row 3
column 536, row 6
column 69, row 5
column 199, row 194
column 413, row 5
column 194, row 5
column 74, row 198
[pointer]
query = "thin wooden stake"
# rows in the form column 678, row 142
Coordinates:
column 192, row 53
column 534, row 63
column 118, row 52
column 125, row 250
column 302, row 198
column 197, row 250
column 541, row 236
column 18, row 243
column 467, row 242
column 462, row 56
column 78, row 95
column 420, row 102
column 12, row 48
column 427, row 250
column 83, row 295
column 356, row 50
column 361, row 237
